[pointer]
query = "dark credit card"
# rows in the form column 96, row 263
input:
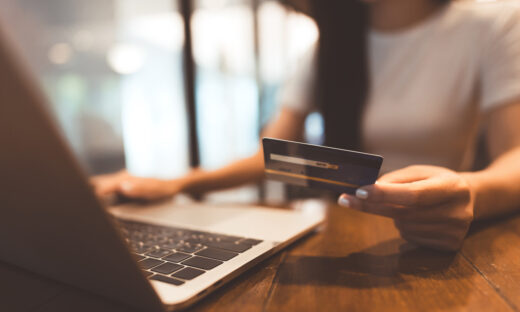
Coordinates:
column 316, row 166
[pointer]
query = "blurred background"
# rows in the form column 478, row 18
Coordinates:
column 158, row 86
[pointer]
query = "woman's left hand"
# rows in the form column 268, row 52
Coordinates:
column 431, row 206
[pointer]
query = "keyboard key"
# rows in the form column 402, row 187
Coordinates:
column 168, row 280
column 230, row 239
column 171, row 245
column 177, row 257
column 202, row 263
column 147, row 274
column 250, row 241
column 149, row 263
column 176, row 246
column 158, row 253
column 195, row 241
column 136, row 236
column 158, row 240
column 215, row 253
column 138, row 257
column 167, row 268
column 190, row 248
column 188, row 273
column 139, row 247
column 236, row 247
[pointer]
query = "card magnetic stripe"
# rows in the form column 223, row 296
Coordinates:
column 305, row 177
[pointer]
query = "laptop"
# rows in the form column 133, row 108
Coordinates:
column 153, row 258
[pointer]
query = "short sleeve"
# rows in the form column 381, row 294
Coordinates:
column 500, row 71
column 297, row 92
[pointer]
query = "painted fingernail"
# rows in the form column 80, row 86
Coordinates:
column 362, row 194
column 343, row 201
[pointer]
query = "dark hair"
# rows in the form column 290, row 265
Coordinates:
column 342, row 81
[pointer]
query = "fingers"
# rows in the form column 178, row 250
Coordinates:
column 109, row 177
column 431, row 206
column 108, row 184
column 382, row 209
column 417, row 194
column 136, row 190
column 129, row 186
column 147, row 188
column 447, row 213
column 105, row 187
column 405, row 175
column 411, row 174
column 431, row 213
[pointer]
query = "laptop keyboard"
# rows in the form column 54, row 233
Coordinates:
column 175, row 255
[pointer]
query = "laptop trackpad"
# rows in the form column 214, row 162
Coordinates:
column 232, row 219
column 185, row 215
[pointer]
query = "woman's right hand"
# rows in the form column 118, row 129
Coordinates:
column 129, row 186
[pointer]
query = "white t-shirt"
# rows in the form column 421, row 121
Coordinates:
column 431, row 84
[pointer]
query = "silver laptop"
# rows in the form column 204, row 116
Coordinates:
column 154, row 258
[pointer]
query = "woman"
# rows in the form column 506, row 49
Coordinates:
column 412, row 80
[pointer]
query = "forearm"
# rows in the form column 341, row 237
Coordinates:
column 247, row 170
column 287, row 126
column 497, row 188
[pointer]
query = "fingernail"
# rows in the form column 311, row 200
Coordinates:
column 343, row 201
column 126, row 186
column 362, row 194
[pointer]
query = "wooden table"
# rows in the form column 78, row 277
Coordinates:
column 356, row 262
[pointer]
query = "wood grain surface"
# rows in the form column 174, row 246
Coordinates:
column 355, row 262
column 493, row 248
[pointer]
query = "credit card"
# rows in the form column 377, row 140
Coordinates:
column 317, row 166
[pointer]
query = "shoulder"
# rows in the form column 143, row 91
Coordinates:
column 494, row 27
column 480, row 24
column 489, row 16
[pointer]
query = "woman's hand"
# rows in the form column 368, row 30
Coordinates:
column 133, row 187
column 431, row 206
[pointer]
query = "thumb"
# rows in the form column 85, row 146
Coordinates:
column 405, row 175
